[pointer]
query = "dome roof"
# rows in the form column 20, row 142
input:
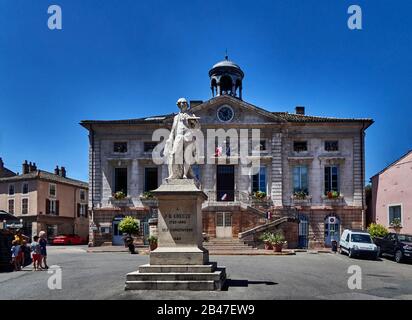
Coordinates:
column 226, row 64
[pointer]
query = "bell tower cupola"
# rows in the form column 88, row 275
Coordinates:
column 226, row 79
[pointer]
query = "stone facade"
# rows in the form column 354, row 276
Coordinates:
column 279, row 132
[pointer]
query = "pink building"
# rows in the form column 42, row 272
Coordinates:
column 392, row 194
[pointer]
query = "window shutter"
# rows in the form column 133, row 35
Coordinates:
column 87, row 210
column 57, row 207
column 47, row 206
column 78, row 210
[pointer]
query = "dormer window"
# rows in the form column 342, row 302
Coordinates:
column 25, row 189
column 332, row 145
column 120, row 147
column 11, row 189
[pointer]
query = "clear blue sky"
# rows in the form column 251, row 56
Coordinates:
column 118, row 59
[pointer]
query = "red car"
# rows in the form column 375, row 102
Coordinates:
column 69, row 239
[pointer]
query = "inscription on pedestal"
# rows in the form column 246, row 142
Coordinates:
column 178, row 226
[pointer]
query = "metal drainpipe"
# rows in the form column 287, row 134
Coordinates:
column 362, row 136
column 92, row 184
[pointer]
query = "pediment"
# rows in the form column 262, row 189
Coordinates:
column 243, row 112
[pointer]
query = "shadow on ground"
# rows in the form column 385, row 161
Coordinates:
column 244, row 283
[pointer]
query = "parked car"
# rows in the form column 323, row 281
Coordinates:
column 358, row 243
column 69, row 239
column 395, row 245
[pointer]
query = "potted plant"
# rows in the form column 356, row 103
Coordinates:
column 266, row 240
column 119, row 195
column 147, row 195
column 129, row 226
column 333, row 195
column 300, row 195
column 396, row 224
column 259, row 195
column 152, row 242
column 277, row 239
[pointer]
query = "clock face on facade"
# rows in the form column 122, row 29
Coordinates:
column 225, row 113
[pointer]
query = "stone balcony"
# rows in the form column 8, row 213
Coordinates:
column 338, row 201
column 121, row 203
column 299, row 201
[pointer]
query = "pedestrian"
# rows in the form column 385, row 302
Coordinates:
column 15, row 251
column 36, row 253
column 21, row 241
column 43, row 251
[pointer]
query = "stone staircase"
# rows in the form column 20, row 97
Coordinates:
column 226, row 246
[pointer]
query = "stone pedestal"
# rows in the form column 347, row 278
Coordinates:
column 180, row 262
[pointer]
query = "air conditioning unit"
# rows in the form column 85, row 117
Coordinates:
column 332, row 220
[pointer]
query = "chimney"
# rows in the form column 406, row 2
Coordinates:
column 1, row 164
column 63, row 172
column 34, row 166
column 57, row 171
column 300, row 110
column 25, row 168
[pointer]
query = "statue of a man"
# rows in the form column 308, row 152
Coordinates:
column 180, row 143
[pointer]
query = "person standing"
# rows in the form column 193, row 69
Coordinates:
column 43, row 251
column 15, row 251
column 36, row 253
column 21, row 240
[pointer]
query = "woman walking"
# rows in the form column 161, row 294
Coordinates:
column 43, row 251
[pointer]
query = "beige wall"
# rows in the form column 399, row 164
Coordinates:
column 18, row 196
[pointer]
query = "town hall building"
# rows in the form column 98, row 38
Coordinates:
column 309, row 184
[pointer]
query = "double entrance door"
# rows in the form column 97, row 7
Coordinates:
column 223, row 225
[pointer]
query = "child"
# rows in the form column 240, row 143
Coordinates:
column 15, row 251
column 36, row 253
column 43, row 251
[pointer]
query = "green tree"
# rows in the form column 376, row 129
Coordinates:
column 377, row 230
column 129, row 225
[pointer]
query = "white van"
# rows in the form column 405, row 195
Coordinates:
column 357, row 243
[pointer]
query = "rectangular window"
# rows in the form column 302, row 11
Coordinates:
column 81, row 210
column 149, row 146
column 262, row 145
column 11, row 189
column 11, row 206
column 82, row 195
column 25, row 189
column 24, row 206
column 259, row 181
column 395, row 212
column 150, row 179
column 331, row 179
column 120, row 147
column 53, row 207
column 300, row 179
column 300, row 146
column 120, row 180
column 332, row 145
column 52, row 190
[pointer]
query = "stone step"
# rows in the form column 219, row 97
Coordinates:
column 228, row 248
column 173, row 285
column 147, row 268
column 173, row 276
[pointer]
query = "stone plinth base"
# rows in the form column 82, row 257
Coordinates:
column 177, row 277
column 179, row 256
